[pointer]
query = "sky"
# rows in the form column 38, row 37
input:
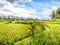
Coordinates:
column 29, row 8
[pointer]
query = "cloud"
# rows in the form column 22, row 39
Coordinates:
column 33, row 10
column 9, row 9
column 2, row 3
column 45, row 13
column 5, row 13
column 20, row 12
column 54, row 7
column 19, row 1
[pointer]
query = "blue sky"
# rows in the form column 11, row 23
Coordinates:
column 29, row 8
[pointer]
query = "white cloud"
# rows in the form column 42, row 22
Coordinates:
column 24, row 12
column 54, row 7
column 8, row 9
column 46, row 12
column 5, row 13
column 19, row 1
column 25, row 0
column 2, row 1
column 36, row 9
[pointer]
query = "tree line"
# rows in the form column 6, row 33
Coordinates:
column 13, row 18
column 56, row 13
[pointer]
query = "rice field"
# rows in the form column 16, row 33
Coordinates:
column 11, row 33
column 47, row 37
column 20, row 34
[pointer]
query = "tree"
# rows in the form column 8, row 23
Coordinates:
column 56, row 13
column 58, row 10
column 53, row 14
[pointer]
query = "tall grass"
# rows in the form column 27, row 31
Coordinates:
column 11, row 33
column 20, row 34
column 47, row 37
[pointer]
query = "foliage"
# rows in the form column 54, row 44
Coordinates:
column 44, row 33
column 11, row 33
column 56, row 13
column 53, row 14
column 47, row 37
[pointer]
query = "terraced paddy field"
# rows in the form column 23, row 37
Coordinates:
column 47, row 37
column 20, row 34
column 10, row 33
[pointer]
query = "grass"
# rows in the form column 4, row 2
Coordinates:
column 11, row 33
column 20, row 34
column 47, row 37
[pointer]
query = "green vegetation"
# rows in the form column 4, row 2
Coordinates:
column 31, row 32
column 19, row 31
column 11, row 32
column 56, row 14
column 47, row 37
